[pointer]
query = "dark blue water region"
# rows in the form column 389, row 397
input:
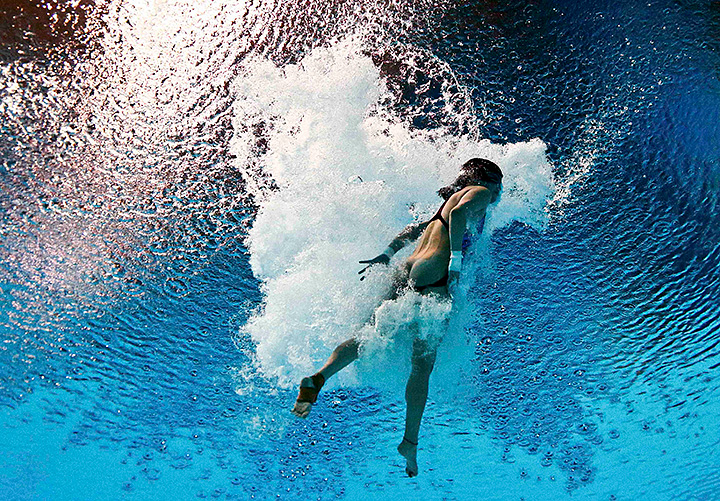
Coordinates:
column 596, row 342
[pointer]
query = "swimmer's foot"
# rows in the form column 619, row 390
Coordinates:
column 408, row 450
column 309, row 389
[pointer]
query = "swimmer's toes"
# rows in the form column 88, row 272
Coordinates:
column 302, row 409
column 409, row 452
column 411, row 468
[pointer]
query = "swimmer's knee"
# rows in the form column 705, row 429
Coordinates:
column 423, row 369
column 352, row 345
column 424, row 348
column 423, row 363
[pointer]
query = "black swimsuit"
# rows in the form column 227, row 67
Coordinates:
column 466, row 243
column 444, row 280
column 438, row 217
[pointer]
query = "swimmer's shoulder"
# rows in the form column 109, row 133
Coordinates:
column 472, row 198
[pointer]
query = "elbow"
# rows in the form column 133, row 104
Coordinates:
column 457, row 213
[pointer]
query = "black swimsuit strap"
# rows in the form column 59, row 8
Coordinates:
column 438, row 216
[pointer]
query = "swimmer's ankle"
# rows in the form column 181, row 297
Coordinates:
column 318, row 380
column 407, row 440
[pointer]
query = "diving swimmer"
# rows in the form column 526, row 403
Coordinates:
column 432, row 268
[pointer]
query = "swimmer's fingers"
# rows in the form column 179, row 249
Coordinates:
column 363, row 271
column 381, row 259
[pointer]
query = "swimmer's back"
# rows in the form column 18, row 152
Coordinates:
column 435, row 240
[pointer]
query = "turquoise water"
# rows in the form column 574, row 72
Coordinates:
column 186, row 189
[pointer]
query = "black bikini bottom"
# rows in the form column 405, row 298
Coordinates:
column 440, row 283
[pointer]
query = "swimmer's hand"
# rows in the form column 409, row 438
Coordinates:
column 381, row 259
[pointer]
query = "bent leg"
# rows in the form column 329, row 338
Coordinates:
column 340, row 358
column 347, row 352
column 416, row 393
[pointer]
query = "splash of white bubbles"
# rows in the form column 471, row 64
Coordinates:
column 350, row 175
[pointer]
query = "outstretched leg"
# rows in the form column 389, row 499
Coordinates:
column 416, row 393
column 343, row 355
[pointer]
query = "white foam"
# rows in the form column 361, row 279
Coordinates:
column 351, row 175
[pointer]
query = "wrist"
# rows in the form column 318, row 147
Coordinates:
column 389, row 252
column 455, row 261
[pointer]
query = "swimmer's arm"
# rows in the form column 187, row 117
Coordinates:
column 410, row 233
column 472, row 205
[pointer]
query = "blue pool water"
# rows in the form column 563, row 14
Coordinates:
column 185, row 190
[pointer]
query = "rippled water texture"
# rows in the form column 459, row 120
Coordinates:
column 184, row 189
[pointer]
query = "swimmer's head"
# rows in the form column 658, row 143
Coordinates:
column 476, row 172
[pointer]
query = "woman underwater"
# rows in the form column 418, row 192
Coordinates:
column 431, row 269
